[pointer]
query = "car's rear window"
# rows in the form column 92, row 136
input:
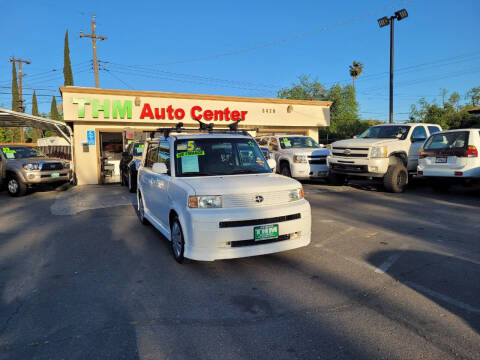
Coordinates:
column 433, row 129
column 446, row 141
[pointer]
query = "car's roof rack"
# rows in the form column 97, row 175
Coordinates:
column 208, row 128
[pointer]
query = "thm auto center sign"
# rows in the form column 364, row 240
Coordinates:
column 118, row 109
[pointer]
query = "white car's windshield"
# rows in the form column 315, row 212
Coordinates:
column 385, row 132
column 210, row 157
column 21, row 152
column 288, row 142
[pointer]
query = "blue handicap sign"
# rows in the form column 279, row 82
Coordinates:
column 91, row 137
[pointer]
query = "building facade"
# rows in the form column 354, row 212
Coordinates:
column 103, row 121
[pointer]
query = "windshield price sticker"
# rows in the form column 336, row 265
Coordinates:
column 190, row 153
column 250, row 143
column 7, row 150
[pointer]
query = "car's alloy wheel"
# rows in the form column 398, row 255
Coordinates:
column 178, row 244
column 15, row 187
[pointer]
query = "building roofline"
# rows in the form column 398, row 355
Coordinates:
column 158, row 94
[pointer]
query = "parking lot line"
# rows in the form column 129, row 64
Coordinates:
column 442, row 297
column 390, row 261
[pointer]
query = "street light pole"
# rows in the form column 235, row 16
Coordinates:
column 384, row 21
column 392, row 31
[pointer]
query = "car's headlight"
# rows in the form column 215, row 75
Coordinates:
column 205, row 202
column 296, row 194
column 30, row 166
column 379, row 152
column 300, row 158
column 66, row 165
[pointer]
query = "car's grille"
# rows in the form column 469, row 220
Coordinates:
column 317, row 159
column 250, row 200
column 239, row 223
column 241, row 243
column 349, row 152
column 350, row 168
column 51, row 166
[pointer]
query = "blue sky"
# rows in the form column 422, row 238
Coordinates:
column 245, row 48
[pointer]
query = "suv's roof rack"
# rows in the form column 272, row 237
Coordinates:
column 232, row 129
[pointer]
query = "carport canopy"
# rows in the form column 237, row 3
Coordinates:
column 9, row 118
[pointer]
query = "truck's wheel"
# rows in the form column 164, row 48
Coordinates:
column 15, row 186
column 336, row 179
column 285, row 170
column 396, row 178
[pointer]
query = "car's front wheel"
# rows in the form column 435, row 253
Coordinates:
column 396, row 178
column 177, row 241
column 15, row 186
column 285, row 170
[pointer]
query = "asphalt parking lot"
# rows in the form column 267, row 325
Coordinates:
column 387, row 276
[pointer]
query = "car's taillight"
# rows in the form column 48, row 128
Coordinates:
column 472, row 151
column 421, row 154
column 419, row 172
column 458, row 173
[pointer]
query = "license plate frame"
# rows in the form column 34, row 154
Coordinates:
column 55, row 175
column 265, row 232
column 441, row 160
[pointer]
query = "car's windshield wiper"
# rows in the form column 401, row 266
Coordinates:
column 245, row 171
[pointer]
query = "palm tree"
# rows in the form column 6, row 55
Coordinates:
column 355, row 70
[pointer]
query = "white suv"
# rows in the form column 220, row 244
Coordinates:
column 214, row 197
column 297, row 156
column 450, row 156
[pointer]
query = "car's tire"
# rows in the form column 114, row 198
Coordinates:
column 336, row 179
column 132, row 182
column 285, row 170
column 141, row 210
column 440, row 186
column 177, row 241
column 15, row 186
column 396, row 178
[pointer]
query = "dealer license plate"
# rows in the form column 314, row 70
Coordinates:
column 54, row 175
column 441, row 160
column 265, row 232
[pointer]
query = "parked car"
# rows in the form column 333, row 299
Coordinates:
column 22, row 167
column 297, row 156
column 450, row 156
column 214, row 197
column 386, row 152
column 270, row 158
column 129, row 164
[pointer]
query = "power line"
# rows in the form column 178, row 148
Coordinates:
column 284, row 40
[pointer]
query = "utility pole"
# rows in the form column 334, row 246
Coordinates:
column 20, row 76
column 94, row 38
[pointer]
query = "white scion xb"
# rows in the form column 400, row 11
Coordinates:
column 213, row 195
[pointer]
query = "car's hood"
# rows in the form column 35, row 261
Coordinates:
column 352, row 143
column 307, row 151
column 240, row 184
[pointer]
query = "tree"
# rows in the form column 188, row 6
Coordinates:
column 443, row 93
column 355, row 71
column 306, row 89
column 344, row 119
column 454, row 99
column 67, row 66
column 34, row 104
column 54, row 111
column 474, row 96
column 15, row 94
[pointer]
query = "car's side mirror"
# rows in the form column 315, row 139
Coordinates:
column 418, row 139
column 159, row 168
column 272, row 163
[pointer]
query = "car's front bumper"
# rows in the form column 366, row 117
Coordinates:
column 305, row 171
column 206, row 240
column 374, row 167
column 40, row 177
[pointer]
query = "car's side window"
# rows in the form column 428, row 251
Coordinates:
column 433, row 129
column 152, row 155
column 419, row 133
column 164, row 154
